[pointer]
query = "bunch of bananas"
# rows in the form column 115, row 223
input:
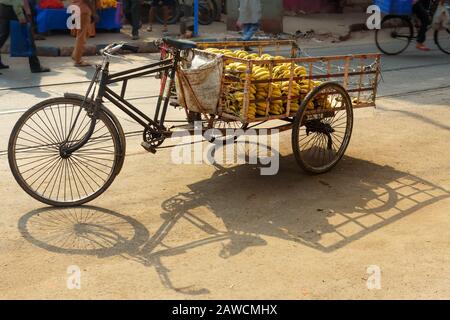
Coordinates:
column 260, row 89
column 235, row 54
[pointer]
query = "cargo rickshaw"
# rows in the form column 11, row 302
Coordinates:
column 67, row 151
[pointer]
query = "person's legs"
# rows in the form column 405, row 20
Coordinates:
column 36, row 34
column 245, row 31
column 249, row 30
column 254, row 28
column 35, row 64
column 135, row 17
column 4, row 34
column 82, row 36
column 151, row 17
column 5, row 17
column 165, row 17
column 420, row 11
column 127, row 10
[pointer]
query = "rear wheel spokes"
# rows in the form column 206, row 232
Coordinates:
column 48, row 174
column 325, row 141
column 321, row 137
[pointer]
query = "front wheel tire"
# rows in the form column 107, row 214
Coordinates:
column 442, row 39
column 48, row 175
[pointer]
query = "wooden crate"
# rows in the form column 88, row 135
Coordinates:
column 358, row 74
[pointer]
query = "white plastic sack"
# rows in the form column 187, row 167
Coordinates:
column 199, row 86
column 441, row 18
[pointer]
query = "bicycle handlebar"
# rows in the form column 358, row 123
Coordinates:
column 115, row 47
column 130, row 48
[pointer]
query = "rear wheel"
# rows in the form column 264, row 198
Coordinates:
column 45, row 172
column 395, row 34
column 320, row 137
column 442, row 39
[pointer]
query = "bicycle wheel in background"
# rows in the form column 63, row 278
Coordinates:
column 442, row 39
column 45, row 172
column 174, row 13
column 207, row 12
column 395, row 35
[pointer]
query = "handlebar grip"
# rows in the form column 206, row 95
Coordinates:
column 130, row 48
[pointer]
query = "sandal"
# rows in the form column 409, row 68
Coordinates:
column 82, row 64
column 422, row 47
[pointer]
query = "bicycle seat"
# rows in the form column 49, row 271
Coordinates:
column 180, row 44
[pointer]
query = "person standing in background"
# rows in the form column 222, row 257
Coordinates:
column 250, row 13
column 17, row 10
column 37, row 36
column 132, row 11
column 88, row 14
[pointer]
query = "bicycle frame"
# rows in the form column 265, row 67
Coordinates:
column 167, row 66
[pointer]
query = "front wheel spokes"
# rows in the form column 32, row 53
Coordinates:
column 45, row 171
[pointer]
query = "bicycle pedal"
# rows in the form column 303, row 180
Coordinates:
column 174, row 103
column 148, row 147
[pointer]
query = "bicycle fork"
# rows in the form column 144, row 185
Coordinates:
column 65, row 149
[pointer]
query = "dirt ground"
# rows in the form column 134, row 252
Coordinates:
column 195, row 231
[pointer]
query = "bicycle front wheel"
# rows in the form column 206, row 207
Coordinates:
column 49, row 175
column 395, row 34
column 442, row 39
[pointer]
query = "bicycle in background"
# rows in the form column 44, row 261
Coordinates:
column 397, row 32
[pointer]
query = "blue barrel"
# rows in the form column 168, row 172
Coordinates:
column 397, row 7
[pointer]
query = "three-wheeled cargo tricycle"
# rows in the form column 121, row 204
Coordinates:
column 67, row 151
